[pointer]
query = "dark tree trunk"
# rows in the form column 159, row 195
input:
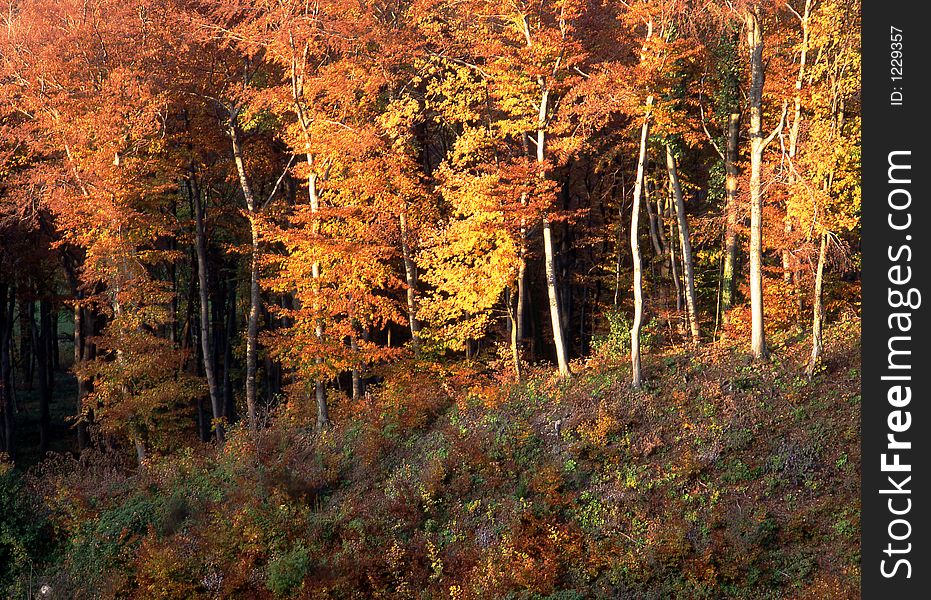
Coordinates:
column 26, row 341
column 229, row 398
column 203, row 287
column 730, row 228
column 7, row 303
column 44, row 363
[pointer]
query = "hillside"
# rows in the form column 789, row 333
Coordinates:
column 720, row 478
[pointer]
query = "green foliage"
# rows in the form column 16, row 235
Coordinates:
column 614, row 344
column 23, row 534
column 286, row 572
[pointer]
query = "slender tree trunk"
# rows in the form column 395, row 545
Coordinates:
column 410, row 276
column 818, row 308
column 685, row 244
column 654, row 235
column 139, row 443
column 519, row 312
column 298, row 63
column 661, row 202
column 788, row 272
column 357, row 387
column 44, row 363
column 757, row 147
column 7, row 304
column 548, row 248
column 511, row 302
column 620, row 241
column 27, row 357
column 636, row 379
column 255, row 291
column 730, row 227
column 203, row 279
column 517, row 316
column 229, row 401
column 79, row 344
column 673, row 261
column 53, row 353
column 323, row 411
column 552, row 293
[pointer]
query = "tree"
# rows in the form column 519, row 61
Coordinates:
column 758, row 144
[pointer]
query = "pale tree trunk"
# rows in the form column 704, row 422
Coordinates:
column 636, row 379
column 255, row 291
column 671, row 248
column 410, row 276
column 79, row 342
column 549, row 251
column 139, row 444
column 662, row 201
column 730, row 227
column 788, row 272
column 554, row 301
column 298, row 64
column 200, row 247
column 758, row 145
column 818, row 308
column 323, row 411
column 513, row 306
column 357, row 371
column 654, row 236
column 685, row 244
column 517, row 314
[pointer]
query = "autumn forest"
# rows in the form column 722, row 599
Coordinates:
column 429, row 299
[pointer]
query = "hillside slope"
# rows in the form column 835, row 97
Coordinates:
column 720, row 479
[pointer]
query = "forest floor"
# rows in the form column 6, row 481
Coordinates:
column 721, row 478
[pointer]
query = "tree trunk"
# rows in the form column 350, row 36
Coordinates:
column 26, row 342
column 620, row 241
column 229, row 400
column 788, row 271
column 817, row 308
column 730, row 228
column 79, row 344
column 654, row 235
column 673, row 261
column 548, row 248
column 203, row 279
column 410, row 277
column 44, row 363
column 323, row 411
column 552, row 293
column 685, row 244
column 53, row 353
column 636, row 379
column 757, row 147
column 517, row 316
column 357, row 388
column 512, row 301
column 7, row 304
column 297, row 93
column 255, row 291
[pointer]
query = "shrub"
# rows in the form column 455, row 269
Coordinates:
column 22, row 543
column 615, row 343
column 287, row 571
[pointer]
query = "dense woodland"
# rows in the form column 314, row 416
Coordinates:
column 429, row 299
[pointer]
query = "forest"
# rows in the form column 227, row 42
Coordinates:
column 451, row 299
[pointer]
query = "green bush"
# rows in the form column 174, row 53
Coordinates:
column 22, row 543
column 615, row 343
column 287, row 571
